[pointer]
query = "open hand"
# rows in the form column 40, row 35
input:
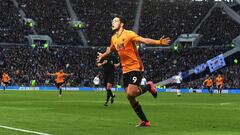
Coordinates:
column 165, row 41
column 99, row 57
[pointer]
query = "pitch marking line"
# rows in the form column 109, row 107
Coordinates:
column 225, row 103
column 23, row 130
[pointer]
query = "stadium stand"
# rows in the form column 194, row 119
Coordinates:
column 218, row 29
column 230, row 75
column 98, row 15
column 171, row 18
column 25, row 63
column 11, row 28
column 52, row 19
column 162, row 64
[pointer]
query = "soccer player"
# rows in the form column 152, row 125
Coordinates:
column 178, row 80
column 219, row 83
column 209, row 84
column 143, row 81
column 33, row 83
column 5, row 81
column 124, row 42
column 59, row 79
column 109, row 64
column 96, row 81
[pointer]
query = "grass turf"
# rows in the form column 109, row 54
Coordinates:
column 77, row 113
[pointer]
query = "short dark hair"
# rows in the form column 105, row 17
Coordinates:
column 122, row 19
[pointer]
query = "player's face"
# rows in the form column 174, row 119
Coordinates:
column 116, row 24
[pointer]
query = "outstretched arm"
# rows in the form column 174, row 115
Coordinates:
column 161, row 41
column 51, row 74
column 101, row 64
column 9, row 78
column 68, row 74
column 102, row 55
column 204, row 82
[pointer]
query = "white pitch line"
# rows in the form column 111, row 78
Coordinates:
column 23, row 130
column 225, row 103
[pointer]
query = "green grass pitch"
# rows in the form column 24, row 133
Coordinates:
column 83, row 113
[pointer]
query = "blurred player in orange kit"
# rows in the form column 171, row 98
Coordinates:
column 5, row 81
column 59, row 79
column 219, row 83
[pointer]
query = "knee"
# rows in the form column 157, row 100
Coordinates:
column 130, row 94
column 131, row 99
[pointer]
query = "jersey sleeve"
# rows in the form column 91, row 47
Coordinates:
column 204, row 81
column 112, row 47
column 134, row 37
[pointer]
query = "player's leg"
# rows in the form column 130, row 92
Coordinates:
column 110, row 83
column 4, row 87
column 178, row 90
column 97, row 88
column 131, row 84
column 148, row 87
column 59, row 87
column 221, row 87
column 132, row 91
column 211, row 89
column 107, row 92
column 60, row 90
column 107, row 97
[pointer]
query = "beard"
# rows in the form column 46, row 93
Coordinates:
column 116, row 30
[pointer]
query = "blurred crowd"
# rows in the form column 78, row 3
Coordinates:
column 158, row 17
column 218, row 29
column 11, row 28
column 52, row 19
column 98, row 14
column 230, row 75
column 25, row 63
column 161, row 64
column 171, row 18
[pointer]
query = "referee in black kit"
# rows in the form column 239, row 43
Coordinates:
column 109, row 64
